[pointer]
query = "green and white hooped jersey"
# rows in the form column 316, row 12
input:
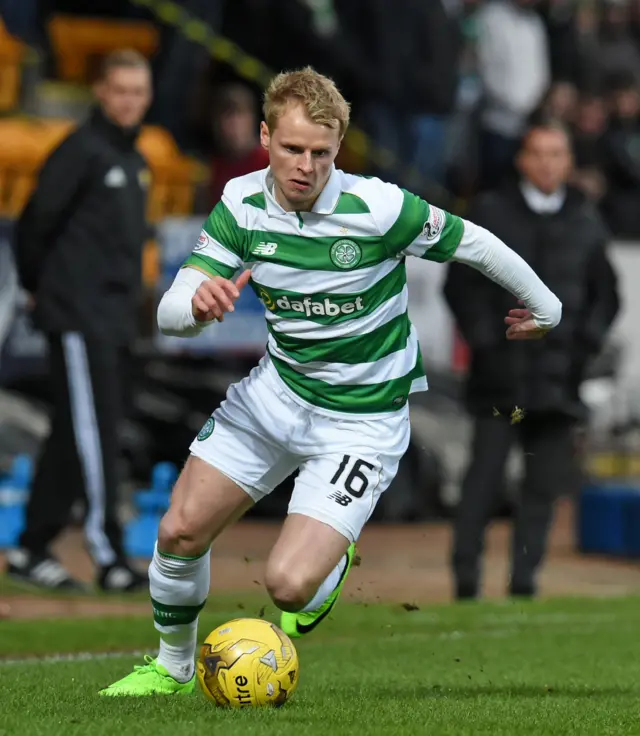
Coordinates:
column 333, row 283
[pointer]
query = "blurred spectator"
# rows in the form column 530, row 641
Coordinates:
column 564, row 40
column 513, row 56
column 178, row 63
column 555, row 230
column 617, row 50
column 237, row 146
column 589, row 127
column 79, row 255
column 414, row 49
column 622, row 158
column 287, row 34
column 561, row 102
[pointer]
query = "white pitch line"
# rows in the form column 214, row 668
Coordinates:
column 78, row 657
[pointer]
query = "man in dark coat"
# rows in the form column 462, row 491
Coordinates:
column 79, row 248
column 561, row 236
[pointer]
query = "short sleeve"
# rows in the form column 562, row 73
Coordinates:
column 220, row 247
column 424, row 230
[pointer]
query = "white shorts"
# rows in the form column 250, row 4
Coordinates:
column 261, row 434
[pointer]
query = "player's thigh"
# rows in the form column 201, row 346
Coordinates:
column 203, row 503
column 238, row 457
column 337, row 490
column 246, row 438
column 356, row 461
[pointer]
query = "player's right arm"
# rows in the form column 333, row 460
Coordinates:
column 202, row 291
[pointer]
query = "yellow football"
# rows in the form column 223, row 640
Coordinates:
column 248, row 662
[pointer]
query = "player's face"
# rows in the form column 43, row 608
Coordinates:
column 301, row 154
column 545, row 160
column 125, row 95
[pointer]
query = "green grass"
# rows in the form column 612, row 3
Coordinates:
column 552, row 667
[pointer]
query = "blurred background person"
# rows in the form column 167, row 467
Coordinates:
column 621, row 157
column 414, row 49
column 78, row 248
column 553, row 227
column 617, row 51
column 513, row 64
column 590, row 125
column 235, row 125
column 561, row 102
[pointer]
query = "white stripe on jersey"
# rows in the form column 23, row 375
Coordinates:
column 275, row 276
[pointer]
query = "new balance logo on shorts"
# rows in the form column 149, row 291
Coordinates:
column 265, row 249
column 340, row 498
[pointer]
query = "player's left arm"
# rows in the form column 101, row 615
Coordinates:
column 431, row 233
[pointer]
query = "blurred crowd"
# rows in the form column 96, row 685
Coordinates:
column 447, row 86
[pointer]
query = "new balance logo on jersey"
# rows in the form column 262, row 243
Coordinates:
column 340, row 498
column 307, row 306
column 265, row 249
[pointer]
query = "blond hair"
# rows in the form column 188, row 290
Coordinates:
column 318, row 94
column 122, row 59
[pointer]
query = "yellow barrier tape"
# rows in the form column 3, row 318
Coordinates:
column 253, row 70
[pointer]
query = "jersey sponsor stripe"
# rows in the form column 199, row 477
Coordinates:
column 330, row 308
column 305, row 329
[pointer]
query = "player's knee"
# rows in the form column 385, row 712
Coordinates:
column 179, row 536
column 289, row 591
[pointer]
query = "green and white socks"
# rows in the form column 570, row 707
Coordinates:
column 179, row 587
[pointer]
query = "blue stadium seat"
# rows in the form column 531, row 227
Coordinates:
column 608, row 520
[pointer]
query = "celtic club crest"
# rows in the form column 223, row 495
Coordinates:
column 207, row 430
column 345, row 254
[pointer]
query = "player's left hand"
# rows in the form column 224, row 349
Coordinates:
column 522, row 326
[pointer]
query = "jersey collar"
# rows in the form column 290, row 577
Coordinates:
column 324, row 205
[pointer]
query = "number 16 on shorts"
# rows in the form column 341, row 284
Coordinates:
column 351, row 476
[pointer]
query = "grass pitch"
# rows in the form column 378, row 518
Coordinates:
column 551, row 667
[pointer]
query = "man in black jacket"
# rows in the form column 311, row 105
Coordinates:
column 79, row 250
column 561, row 236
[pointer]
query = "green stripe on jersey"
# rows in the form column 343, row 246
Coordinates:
column 370, row 398
column 209, row 265
column 328, row 308
column 409, row 223
column 310, row 253
column 256, row 200
column 449, row 241
column 367, row 348
column 221, row 225
column 351, row 204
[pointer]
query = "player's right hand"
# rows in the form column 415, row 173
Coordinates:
column 215, row 297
